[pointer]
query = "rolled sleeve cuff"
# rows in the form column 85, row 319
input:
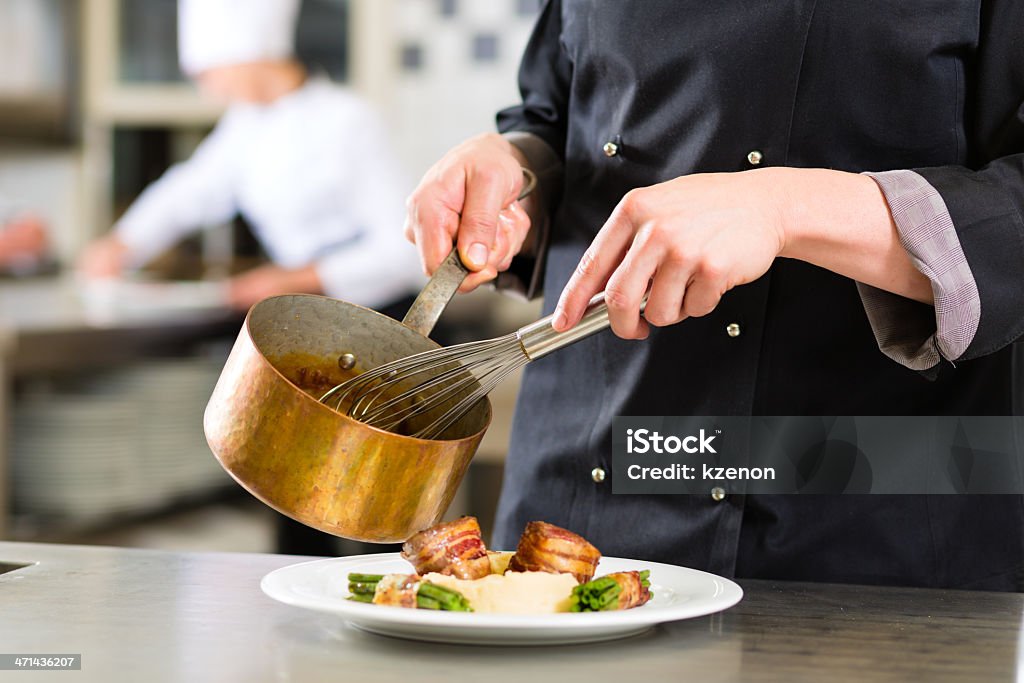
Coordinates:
column 911, row 333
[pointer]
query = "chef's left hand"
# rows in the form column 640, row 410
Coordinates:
column 688, row 240
column 257, row 284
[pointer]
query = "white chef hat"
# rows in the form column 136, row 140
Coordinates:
column 215, row 33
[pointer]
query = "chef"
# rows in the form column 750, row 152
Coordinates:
column 824, row 201
column 306, row 162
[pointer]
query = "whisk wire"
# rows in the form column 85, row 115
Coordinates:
column 439, row 387
column 485, row 386
column 449, row 382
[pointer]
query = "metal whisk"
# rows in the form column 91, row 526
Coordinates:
column 445, row 384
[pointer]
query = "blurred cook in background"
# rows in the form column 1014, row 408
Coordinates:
column 24, row 242
column 305, row 161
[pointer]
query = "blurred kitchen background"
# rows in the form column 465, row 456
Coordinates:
column 103, row 387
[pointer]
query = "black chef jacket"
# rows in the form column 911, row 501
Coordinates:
column 683, row 87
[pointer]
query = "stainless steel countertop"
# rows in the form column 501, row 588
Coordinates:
column 138, row 615
column 58, row 324
column 61, row 303
column 50, row 325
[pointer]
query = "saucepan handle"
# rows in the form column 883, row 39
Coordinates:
column 434, row 297
column 445, row 282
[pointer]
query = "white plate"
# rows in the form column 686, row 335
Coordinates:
column 322, row 585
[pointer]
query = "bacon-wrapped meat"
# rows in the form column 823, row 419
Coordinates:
column 454, row 548
column 545, row 547
column 621, row 590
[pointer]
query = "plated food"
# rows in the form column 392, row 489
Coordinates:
column 319, row 586
column 552, row 570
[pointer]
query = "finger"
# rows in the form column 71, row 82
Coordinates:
column 502, row 245
column 434, row 224
column 474, row 280
column 498, row 260
column 703, row 294
column 487, row 191
column 509, row 228
column 520, row 225
column 665, row 303
column 596, row 265
column 629, row 283
column 432, row 214
column 408, row 228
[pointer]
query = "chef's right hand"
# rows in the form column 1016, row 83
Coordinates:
column 469, row 197
column 107, row 257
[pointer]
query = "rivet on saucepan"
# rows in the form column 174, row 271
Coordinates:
column 346, row 361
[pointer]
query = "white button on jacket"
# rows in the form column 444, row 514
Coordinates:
column 314, row 175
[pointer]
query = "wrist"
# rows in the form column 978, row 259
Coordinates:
column 814, row 204
column 307, row 279
column 786, row 187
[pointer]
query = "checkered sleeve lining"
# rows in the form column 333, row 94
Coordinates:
column 907, row 331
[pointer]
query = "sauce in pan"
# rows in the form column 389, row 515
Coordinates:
column 315, row 375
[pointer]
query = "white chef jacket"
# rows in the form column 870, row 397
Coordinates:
column 313, row 174
column 8, row 209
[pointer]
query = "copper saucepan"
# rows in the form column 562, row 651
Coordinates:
column 269, row 431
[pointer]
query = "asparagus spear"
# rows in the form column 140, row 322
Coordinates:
column 601, row 594
column 428, row 595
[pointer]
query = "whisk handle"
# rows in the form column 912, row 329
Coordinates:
column 539, row 338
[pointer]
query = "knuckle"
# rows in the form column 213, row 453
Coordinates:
column 482, row 138
column 712, row 267
column 656, row 234
column 698, row 307
column 588, row 264
column 679, row 257
column 658, row 317
column 478, row 225
column 659, row 230
column 616, row 299
column 634, row 202
column 488, row 174
column 522, row 223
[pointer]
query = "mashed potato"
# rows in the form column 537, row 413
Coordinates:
column 514, row 592
column 499, row 560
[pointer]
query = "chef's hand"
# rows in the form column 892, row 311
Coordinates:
column 688, row 240
column 257, row 284
column 469, row 196
column 106, row 257
column 23, row 241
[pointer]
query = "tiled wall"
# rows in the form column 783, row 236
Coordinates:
column 456, row 66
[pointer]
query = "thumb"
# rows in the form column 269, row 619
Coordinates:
column 478, row 225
